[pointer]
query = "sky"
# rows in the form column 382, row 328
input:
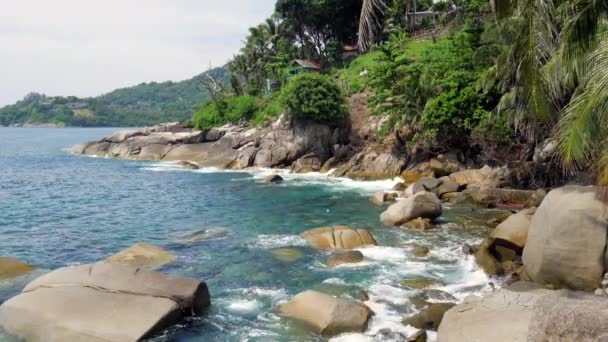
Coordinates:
column 91, row 47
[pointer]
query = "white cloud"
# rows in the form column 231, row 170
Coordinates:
column 89, row 47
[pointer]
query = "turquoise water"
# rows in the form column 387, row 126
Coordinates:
column 57, row 209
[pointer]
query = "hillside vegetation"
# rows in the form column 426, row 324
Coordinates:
column 144, row 104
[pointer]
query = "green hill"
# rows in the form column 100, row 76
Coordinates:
column 144, row 104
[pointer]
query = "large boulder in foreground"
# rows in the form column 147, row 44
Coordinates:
column 12, row 268
column 142, row 255
column 338, row 237
column 567, row 239
column 421, row 205
column 526, row 312
column 101, row 302
column 327, row 315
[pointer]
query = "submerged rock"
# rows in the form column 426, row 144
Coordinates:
column 273, row 179
column 287, row 254
column 566, row 243
column 421, row 251
column 418, row 224
column 419, row 283
column 142, row 255
column 344, row 257
column 188, row 165
column 429, row 317
column 202, row 235
column 327, row 315
column 12, row 268
column 101, row 302
column 383, row 197
column 338, row 237
column 421, row 205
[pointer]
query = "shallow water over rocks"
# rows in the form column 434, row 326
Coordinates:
column 58, row 209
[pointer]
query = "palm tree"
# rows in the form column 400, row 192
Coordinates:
column 369, row 23
column 583, row 129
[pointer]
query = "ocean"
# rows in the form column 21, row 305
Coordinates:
column 230, row 229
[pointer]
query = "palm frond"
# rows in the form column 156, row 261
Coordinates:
column 369, row 22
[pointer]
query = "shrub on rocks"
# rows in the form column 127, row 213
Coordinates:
column 314, row 97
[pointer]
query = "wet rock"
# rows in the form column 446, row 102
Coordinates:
column 273, row 179
column 446, row 187
column 418, row 224
column 567, row 239
column 307, row 163
column 202, row 235
column 421, row 251
column 188, row 165
column 142, row 255
column 499, row 198
column 101, row 302
column 419, row 283
column 412, row 176
column 327, row 315
column 484, row 177
column 413, row 189
column 486, row 260
column 287, row 254
column 400, row 186
column 421, row 205
column 437, row 296
column 12, row 268
column 380, row 198
column 369, row 165
column 338, row 237
column 515, row 228
column 329, row 165
column 344, row 257
column 430, row 317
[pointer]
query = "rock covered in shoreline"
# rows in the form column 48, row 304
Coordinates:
column 327, row 315
column 421, row 205
column 566, row 245
column 338, row 237
column 101, row 302
column 281, row 144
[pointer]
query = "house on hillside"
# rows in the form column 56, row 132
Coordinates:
column 303, row 66
column 349, row 52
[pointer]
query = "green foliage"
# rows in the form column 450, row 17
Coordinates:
column 315, row 97
column 141, row 105
column 269, row 109
column 225, row 110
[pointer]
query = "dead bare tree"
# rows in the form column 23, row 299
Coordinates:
column 214, row 86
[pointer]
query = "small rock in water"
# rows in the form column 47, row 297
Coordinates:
column 421, row 251
column 419, row 224
column 202, row 235
column 344, row 257
column 287, row 254
column 188, row 165
column 12, row 268
column 273, row 179
column 419, row 283
column 142, row 255
column 429, row 318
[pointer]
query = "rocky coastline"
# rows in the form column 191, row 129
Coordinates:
column 546, row 258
